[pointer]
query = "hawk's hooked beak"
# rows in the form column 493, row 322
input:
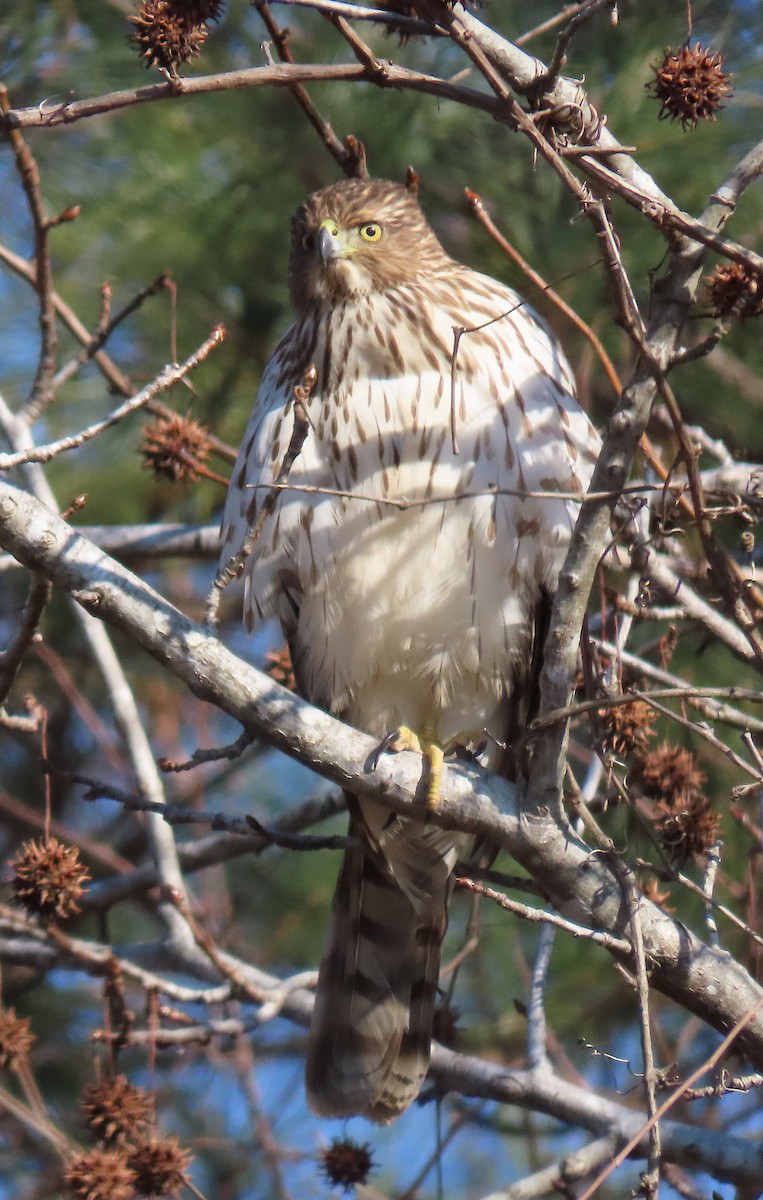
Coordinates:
column 331, row 245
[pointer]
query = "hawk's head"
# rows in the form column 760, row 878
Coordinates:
column 356, row 237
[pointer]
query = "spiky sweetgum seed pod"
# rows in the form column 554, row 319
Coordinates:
column 175, row 447
column 165, row 37
column 16, row 1038
column 408, row 8
column 445, row 1027
column 690, row 85
column 49, row 878
column 668, row 773
column 734, row 290
column 160, row 1166
column 628, row 726
column 100, row 1175
column 690, row 830
column 198, row 12
column 405, row 9
column 115, row 1109
column 346, row 1163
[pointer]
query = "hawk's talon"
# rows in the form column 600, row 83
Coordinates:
column 403, row 738
column 432, row 753
column 391, row 743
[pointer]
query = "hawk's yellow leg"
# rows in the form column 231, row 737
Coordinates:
column 428, row 747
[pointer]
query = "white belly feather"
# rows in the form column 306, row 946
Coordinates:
column 416, row 616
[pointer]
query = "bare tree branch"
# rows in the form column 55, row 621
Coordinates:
column 725, row 1156
column 583, row 888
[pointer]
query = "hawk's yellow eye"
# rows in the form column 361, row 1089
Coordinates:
column 371, row 232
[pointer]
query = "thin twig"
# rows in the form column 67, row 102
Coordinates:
column 569, row 10
column 68, row 112
column 362, row 12
column 200, row 757
column 349, row 154
column 633, row 899
column 36, row 1122
column 477, row 206
column 29, row 621
column 684, row 689
column 550, row 78
column 105, row 330
column 116, row 378
column 650, row 1181
column 29, row 174
column 536, row 1010
column 726, row 574
column 673, row 1099
column 727, row 1083
column 684, row 692
column 668, row 217
column 712, row 863
column 101, row 960
column 162, row 383
column 559, row 1175
column 219, row 822
column 539, row 916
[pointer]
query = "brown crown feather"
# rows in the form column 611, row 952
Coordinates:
column 407, row 250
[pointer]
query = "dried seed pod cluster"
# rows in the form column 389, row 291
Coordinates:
column 116, row 1110
column 160, row 1166
column 346, row 1163
column 734, row 290
column 176, row 447
column 668, row 773
column 48, row 878
column 627, row 727
column 691, row 85
column 16, row 1039
column 684, row 819
column 168, row 33
column 405, row 9
column 100, row 1174
column 130, row 1159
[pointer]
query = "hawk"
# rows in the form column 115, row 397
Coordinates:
column 410, row 559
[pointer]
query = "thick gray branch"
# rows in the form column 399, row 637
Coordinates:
column 523, row 71
column 673, row 294
column 682, row 1144
column 707, row 981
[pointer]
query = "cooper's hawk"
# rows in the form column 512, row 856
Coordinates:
column 423, row 616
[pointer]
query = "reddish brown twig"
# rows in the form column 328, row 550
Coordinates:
column 477, row 207
column 107, row 325
column 26, row 165
column 349, row 154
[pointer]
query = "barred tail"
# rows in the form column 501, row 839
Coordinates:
column 370, row 1039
